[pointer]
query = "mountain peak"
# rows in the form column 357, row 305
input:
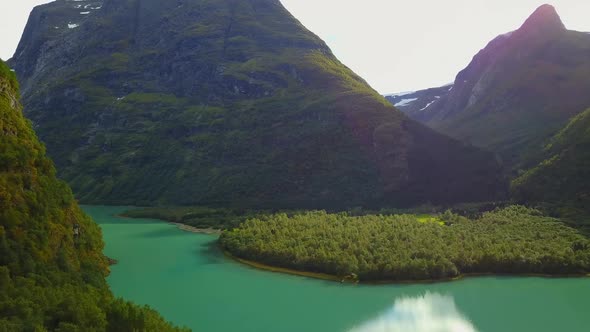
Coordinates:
column 544, row 19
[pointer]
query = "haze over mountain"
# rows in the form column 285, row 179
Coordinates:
column 224, row 102
column 517, row 92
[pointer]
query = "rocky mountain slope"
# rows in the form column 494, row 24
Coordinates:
column 52, row 270
column 519, row 90
column 224, row 102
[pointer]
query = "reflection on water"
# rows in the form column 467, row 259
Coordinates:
column 428, row 313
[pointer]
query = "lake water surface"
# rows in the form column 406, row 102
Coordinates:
column 185, row 277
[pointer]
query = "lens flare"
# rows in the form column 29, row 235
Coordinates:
column 428, row 313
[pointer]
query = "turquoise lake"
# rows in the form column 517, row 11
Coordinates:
column 186, row 278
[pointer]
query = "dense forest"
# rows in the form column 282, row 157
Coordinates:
column 513, row 240
column 52, row 270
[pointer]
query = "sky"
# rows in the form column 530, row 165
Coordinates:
column 395, row 45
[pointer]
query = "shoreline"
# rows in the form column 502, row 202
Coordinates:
column 182, row 227
column 329, row 277
column 274, row 269
column 192, row 229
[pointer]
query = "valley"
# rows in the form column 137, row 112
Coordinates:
column 235, row 175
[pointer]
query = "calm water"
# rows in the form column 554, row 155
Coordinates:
column 184, row 276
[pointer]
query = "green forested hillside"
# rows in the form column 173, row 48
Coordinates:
column 514, row 240
column 562, row 179
column 52, row 270
column 222, row 102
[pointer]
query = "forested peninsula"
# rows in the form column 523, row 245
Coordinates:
column 377, row 248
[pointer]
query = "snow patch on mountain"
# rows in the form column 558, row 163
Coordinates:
column 405, row 102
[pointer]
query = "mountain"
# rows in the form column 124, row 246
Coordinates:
column 224, row 102
column 563, row 177
column 416, row 104
column 518, row 91
column 52, row 270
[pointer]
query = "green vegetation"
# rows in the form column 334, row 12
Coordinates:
column 242, row 108
column 52, row 270
column 561, row 182
column 8, row 76
column 513, row 240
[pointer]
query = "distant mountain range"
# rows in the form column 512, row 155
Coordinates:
column 418, row 103
column 225, row 103
column 520, row 90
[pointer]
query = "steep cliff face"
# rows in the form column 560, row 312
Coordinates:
column 52, row 270
column 225, row 102
column 519, row 90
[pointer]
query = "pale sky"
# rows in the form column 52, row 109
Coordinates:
column 395, row 45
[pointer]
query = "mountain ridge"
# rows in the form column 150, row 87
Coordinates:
column 518, row 91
